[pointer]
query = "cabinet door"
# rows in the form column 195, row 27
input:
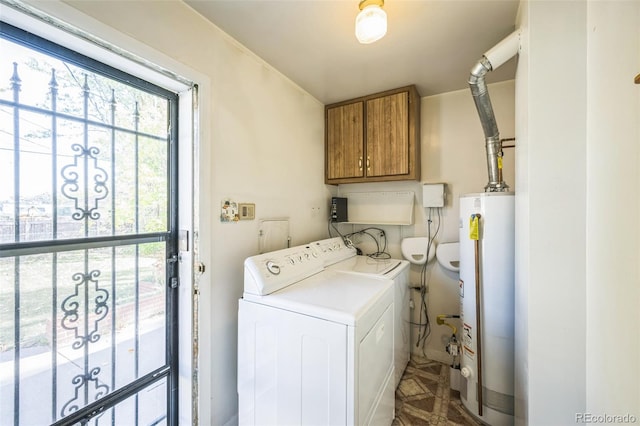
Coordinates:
column 388, row 135
column 344, row 148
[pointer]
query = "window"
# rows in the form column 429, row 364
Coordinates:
column 88, row 240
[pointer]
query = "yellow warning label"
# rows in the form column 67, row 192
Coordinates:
column 474, row 226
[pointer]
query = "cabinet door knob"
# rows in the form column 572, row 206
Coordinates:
column 368, row 164
column 360, row 163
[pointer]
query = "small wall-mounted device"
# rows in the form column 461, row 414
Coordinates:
column 433, row 195
column 339, row 209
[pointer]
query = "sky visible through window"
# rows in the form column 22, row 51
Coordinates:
column 115, row 119
column 82, row 155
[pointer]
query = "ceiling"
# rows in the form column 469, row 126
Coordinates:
column 430, row 43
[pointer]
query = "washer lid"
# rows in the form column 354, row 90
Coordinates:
column 331, row 295
column 371, row 265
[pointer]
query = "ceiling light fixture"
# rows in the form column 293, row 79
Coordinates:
column 371, row 22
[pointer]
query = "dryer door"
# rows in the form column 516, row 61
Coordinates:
column 375, row 368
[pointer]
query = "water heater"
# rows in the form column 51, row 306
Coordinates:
column 487, row 265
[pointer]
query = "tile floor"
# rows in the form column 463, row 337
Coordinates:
column 425, row 398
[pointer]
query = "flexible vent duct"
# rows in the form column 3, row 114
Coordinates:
column 491, row 60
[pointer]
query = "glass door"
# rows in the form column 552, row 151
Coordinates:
column 88, row 240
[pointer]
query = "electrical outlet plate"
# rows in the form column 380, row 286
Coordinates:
column 247, row 211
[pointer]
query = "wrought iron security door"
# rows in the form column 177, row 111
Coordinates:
column 88, row 214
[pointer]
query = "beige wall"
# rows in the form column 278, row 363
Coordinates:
column 613, row 250
column 550, row 207
column 577, row 210
column 577, row 160
column 261, row 141
column 453, row 152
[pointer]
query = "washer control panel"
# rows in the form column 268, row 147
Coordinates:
column 270, row 272
column 333, row 250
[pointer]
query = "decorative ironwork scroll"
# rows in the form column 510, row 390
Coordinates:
column 89, row 169
column 71, row 306
column 80, row 381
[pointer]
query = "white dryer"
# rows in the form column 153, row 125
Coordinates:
column 339, row 257
column 314, row 346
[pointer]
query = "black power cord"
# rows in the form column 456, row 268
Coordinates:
column 425, row 327
column 380, row 238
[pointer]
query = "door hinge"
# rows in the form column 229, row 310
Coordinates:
column 174, row 283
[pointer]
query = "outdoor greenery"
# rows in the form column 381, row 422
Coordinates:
column 126, row 130
column 134, row 168
column 38, row 272
column 84, row 153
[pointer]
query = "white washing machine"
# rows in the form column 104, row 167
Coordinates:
column 315, row 346
column 339, row 257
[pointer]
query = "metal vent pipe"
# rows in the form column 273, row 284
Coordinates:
column 491, row 60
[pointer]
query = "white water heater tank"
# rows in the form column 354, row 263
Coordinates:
column 496, row 271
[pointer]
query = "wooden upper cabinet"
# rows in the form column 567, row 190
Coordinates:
column 388, row 135
column 344, row 137
column 374, row 138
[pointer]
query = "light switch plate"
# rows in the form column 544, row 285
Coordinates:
column 247, row 211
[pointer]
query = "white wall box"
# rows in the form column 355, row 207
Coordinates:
column 381, row 208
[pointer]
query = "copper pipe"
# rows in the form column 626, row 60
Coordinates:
column 478, row 322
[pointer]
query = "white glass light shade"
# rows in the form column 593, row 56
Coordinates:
column 371, row 24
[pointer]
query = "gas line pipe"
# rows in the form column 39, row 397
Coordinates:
column 474, row 234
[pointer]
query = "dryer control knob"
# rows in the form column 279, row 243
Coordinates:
column 273, row 267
